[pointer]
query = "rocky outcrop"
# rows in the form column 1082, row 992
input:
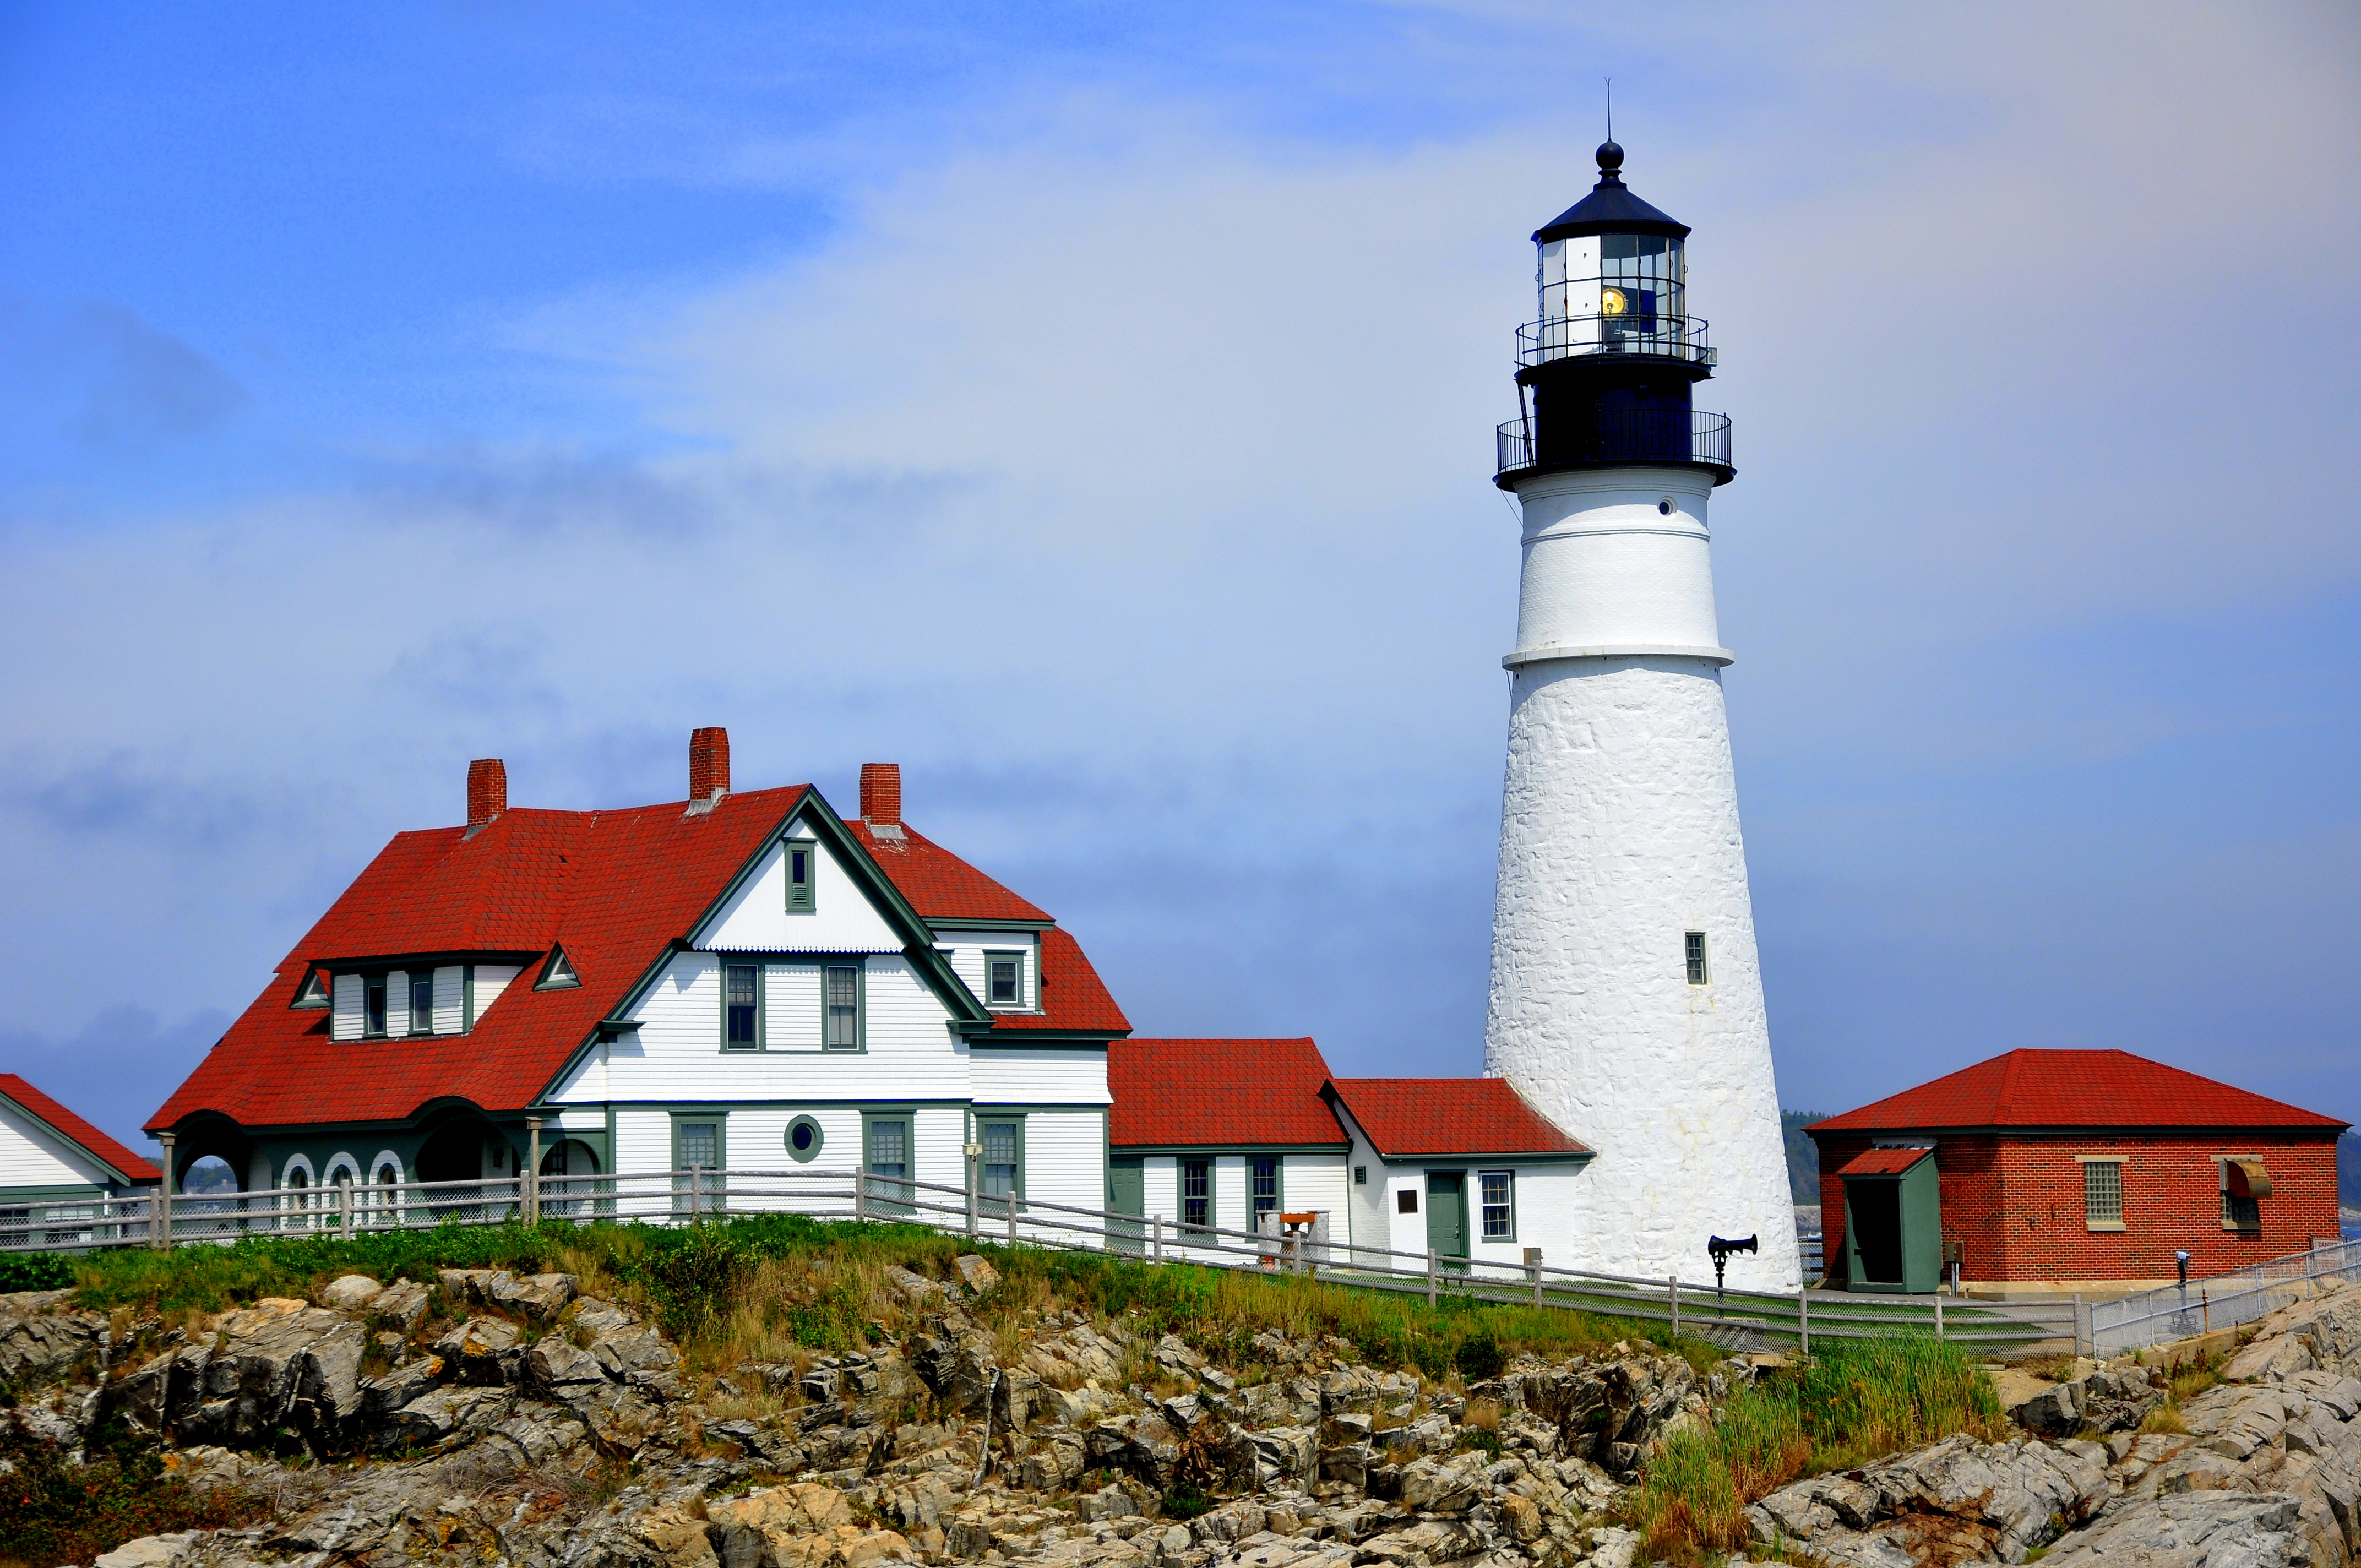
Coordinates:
column 1961, row 1500
column 2107, row 1400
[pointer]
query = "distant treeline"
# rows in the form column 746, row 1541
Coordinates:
column 1803, row 1155
column 2348, row 1170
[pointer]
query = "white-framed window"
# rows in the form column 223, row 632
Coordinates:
column 1497, row 1189
column 1196, row 1194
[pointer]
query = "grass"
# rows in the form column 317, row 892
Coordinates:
column 1852, row 1405
column 781, row 1287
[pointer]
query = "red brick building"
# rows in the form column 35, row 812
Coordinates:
column 2066, row 1170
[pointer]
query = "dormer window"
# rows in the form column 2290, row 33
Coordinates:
column 557, row 973
column 802, row 873
column 421, row 1003
column 373, row 1006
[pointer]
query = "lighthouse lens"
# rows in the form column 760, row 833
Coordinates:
column 1610, row 301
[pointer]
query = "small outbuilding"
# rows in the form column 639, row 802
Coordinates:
column 2043, row 1171
column 51, row 1157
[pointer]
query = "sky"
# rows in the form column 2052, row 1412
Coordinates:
column 1090, row 408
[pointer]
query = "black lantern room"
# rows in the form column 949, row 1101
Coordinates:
column 1605, row 377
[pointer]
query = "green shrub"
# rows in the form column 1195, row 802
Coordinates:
column 55, row 1512
column 35, row 1271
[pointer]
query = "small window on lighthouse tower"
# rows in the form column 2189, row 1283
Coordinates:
column 1693, row 944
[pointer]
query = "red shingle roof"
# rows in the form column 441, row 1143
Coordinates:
column 938, row 885
column 615, row 887
column 68, row 1125
column 1223, row 1092
column 2071, row 1089
column 1883, row 1162
column 1449, row 1116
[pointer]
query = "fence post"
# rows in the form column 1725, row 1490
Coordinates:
column 529, row 1189
column 860, row 1193
column 696, row 1182
column 1938, row 1314
column 1432, row 1271
column 973, row 1151
column 344, row 1209
column 1534, row 1267
column 1012, row 1216
column 1803, row 1322
column 1156, row 1242
column 160, row 1233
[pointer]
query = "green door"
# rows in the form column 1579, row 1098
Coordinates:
column 1447, row 1217
column 1126, row 1194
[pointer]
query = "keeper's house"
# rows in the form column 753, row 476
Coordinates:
column 2054, row 1170
column 737, row 981
column 1224, row 1134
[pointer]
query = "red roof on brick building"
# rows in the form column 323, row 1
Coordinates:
column 616, row 888
column 2072, row 1088
column 1406, row 1116
column 132, row 1168
column 1225, row 1093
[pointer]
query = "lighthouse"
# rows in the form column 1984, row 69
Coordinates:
column 1626, row 998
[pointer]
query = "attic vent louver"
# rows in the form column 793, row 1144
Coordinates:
column 557, row 975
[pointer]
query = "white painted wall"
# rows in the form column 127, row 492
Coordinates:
column 756, row 919
column 32, row 1156
column 450, row 1000
column 347, row 1012
column 965, row 950
column 1604, row 567
column 1003, row 1076
column 1619, row 833
column 491, row 979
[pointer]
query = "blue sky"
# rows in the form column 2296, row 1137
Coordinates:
column 1090, row 409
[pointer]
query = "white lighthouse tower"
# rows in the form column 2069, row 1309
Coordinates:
column 1626, row 999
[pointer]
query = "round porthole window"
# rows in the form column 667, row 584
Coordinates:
column 803, row 1138
column 1665, row 506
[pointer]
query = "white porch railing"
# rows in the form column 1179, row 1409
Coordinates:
column 1738, row 1318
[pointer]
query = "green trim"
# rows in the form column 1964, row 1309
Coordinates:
column 1043, row 1039
column 1002, row 1113
column 79, row 1192
column 303, row 992
column 860, row 967
column 384, row 983
column 1277, row 1182
column 1477, row 1226
column 995, row 925
column 550, row 980
column 804, row 899
column 1213, row 1218
column 818, row 1141
column 906, row 1118
column 409, row 979
column 720, row 1120
column 1195, row 1149
column 1019, row 1005
column 761, row 1001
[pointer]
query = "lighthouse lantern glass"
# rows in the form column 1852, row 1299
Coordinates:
column 1614, row 293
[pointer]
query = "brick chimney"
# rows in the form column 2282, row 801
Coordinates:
column 709, row 762
column 881, row 793
column 487, row 790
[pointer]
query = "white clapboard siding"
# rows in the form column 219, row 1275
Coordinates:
column 490, row 980
column 397, row 1003
column 576, row 1119
column 451, row 1000
column 1005, row 1077
column 791, row 1006
column 1064, row 1160
column 841, row 920
column 966, row 950
column 642, row 1141
column 32, row 1156
column 1319, row 1182
column 675, row 1053
column 347, row 1016
column 1159, row 1189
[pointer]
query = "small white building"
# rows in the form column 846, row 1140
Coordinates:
column 50, row 1156
column 1223, row 1134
